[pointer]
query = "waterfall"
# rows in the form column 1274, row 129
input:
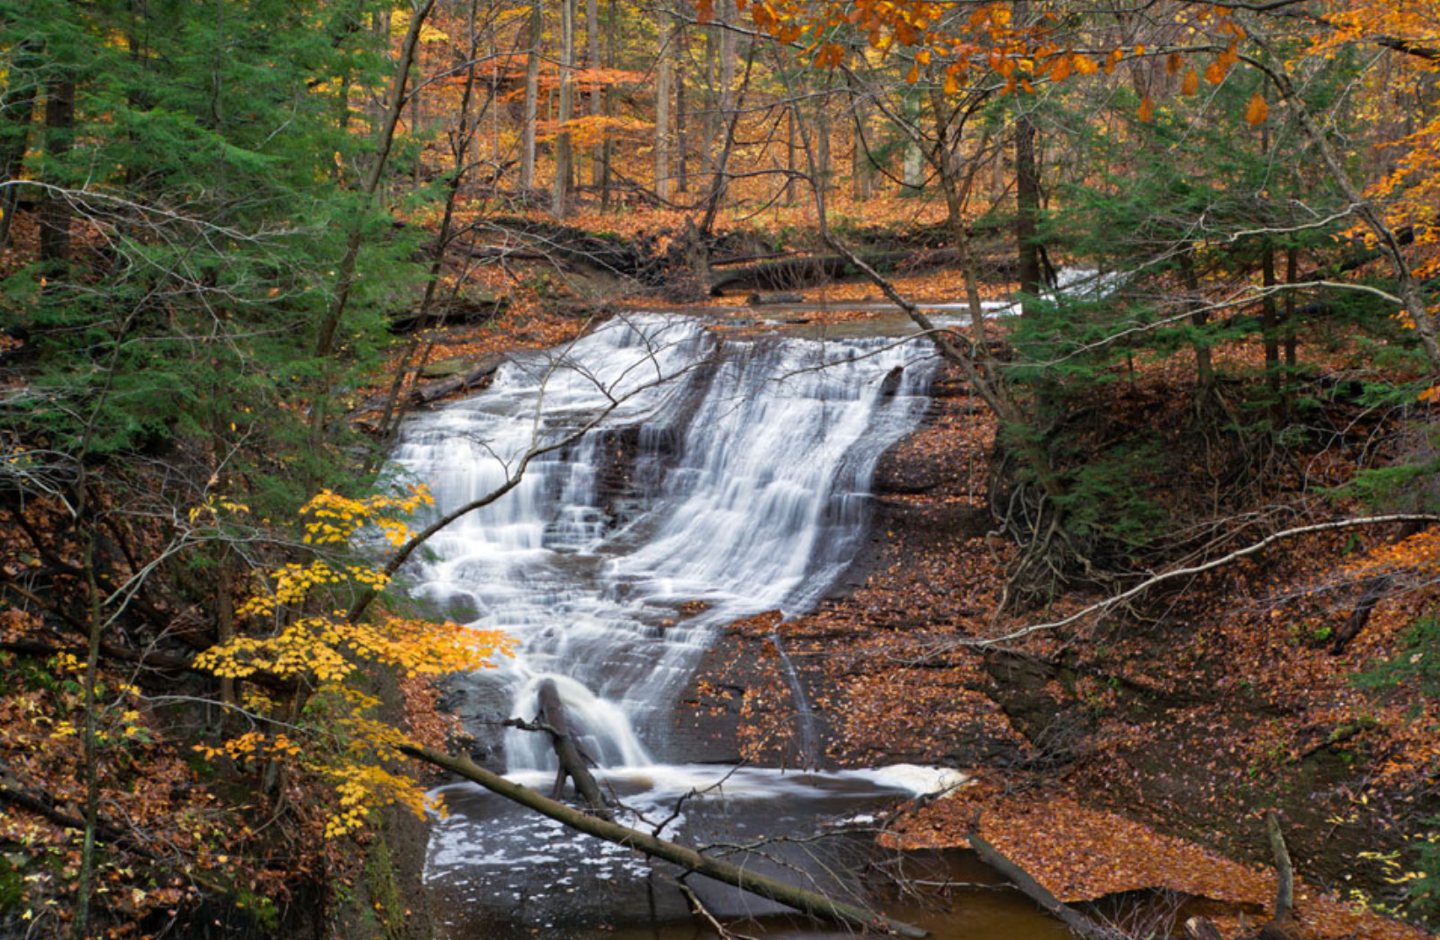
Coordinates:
column 724, row 475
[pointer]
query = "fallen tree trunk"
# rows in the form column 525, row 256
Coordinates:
column 553, row 241
column 1374, row 590
column 463, row 311
column 759, row 299
column 572, row 762
column 1201, row 928
column 1032, row 889
column 427, row 392
column 1284, row 877
column 810, row 270
column 810, row 902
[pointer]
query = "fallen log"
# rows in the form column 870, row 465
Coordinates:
column 759, row 299
column 572, row 761
column 555, row 242
column 1279, row 925
column 432, row 391
column 1077, row 922
column 791, row 274
column 1201, row 928
column 465, row 310
column 1374, row 590
column 1371, row 594
column 809, row 902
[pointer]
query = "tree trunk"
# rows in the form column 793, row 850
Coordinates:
column 1027, row 192
column 823, row 167
column 17, row 114
column 711, row 110
column 1204, row 366
column 665, row 73
column 1027, row 211
column 725, row 101
column 912, row 173
column 1292, row 264
column 809, row 902
column 1269, row 319
column 861, row 176
column 682, row 115
column 532, row 98
column 597, row 95
column 791, row 154
column 572, row 762
column 607, row 149
column 91, row 740
column 1284, row 871
column 564, row 156
column 55, row 211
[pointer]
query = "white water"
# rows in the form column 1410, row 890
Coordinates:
column 731, row 472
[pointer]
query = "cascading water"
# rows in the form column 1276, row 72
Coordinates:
column 732, row 473
column 716, row 478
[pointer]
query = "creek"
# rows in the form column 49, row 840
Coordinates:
column 719, row 476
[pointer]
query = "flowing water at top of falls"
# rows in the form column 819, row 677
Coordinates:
column 721, row 475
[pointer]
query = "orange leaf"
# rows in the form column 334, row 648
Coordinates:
column 1258, row 110
column 1191, row 83
column 1146, row 113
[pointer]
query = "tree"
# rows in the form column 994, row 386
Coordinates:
column 320, row 656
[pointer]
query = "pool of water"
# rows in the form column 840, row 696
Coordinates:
column 499, row 871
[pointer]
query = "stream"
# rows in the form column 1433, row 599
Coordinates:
column 719, row 476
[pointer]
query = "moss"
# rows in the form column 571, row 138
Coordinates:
column 384, row 890
column 12, row 885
